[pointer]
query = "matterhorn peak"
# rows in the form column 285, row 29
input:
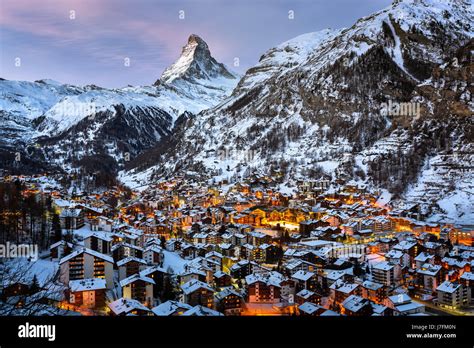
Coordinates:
column 196, row 40
column 195, row 63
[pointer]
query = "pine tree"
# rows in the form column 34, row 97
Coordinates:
column 169, row 292
column 449, row 244
column 358, row 271
column 34, row 287
column 56, row 226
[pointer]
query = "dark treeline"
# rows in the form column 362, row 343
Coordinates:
column 26, row 217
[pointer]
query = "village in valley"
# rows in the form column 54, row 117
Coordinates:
column 185, row 247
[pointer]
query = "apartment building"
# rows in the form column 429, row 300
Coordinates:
column 85, row 264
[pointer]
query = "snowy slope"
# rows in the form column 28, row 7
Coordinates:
column 72, row 109
column 32, row 99
column 286, row 56
column 22, row 101
column 447, row 180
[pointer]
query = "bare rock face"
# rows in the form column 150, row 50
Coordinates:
column 195, row 63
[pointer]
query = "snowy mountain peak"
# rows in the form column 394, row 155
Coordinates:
column 195, row 40
column 195, row 63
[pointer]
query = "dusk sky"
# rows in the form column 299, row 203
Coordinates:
column 90, row 44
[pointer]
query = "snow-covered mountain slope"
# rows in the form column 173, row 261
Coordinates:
column 86, row 120
column 32, row 99
column 448, row 180
column 73, row 109
column 315, row 103
column 22, row 101
column 285, row 57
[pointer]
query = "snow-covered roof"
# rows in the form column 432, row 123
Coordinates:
column 355, row 303
column 400, row 299
column 454, row 262
column 448, row 287
column 467, row 276
column 87, row 284
column 126, row 305
column 202, row 311
column 344, row 287
column 194, row 270
column 383, row 266
column 62, row 203
column 334, row 275
column 69, row 212
column 428, row 269
column 130, row 259
column 302, row 275
column 225, row 246
column 100, row 235
column 371, row 285
column 170, row 307
column 409, row 307
column 152, row 269
column 394, row 254
column 330, row 313
column 405, row 245
column 270, row 278
column 305, row 293
column 308, row 307
column 378, row 309
column 316, row 243
column 194, row 285
column 61, row 243
column 220, row 274
column 423, row 257
column 153, row 248
column 136, row 277
column 86, row 251
column 226, row 292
